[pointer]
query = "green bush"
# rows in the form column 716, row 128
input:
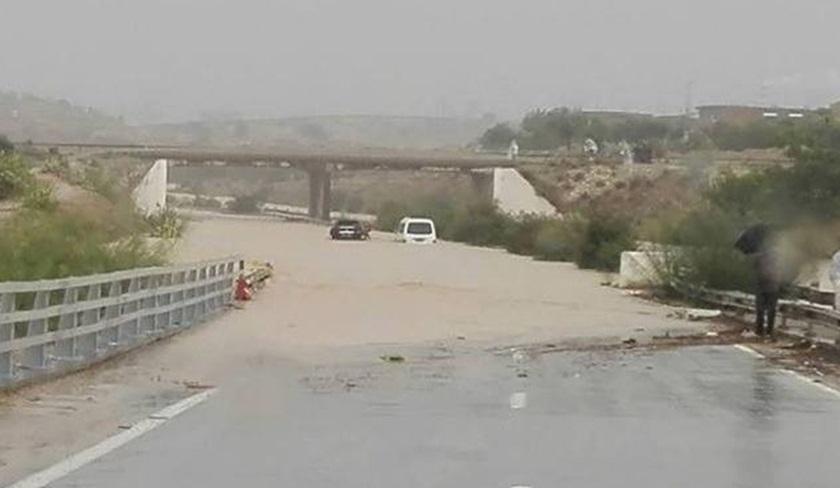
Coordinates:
column 703, row 254
column 802, row 201
column 592, row 240
column 39, row 196
column 94, row 178
column 479, row 224
column 41, row 245
column 602, row 238
column 15, row 175
column 6, row 145
column 557, row 240
column 166, row 224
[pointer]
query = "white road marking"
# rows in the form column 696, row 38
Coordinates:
column 752, row 352
column 795, row 374
column 80, row 459
column 810, row 381
column 518, row 400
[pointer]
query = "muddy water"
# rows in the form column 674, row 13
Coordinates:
column 327, row 299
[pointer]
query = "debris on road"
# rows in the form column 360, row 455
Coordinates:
column 696, row 313
column 801, row 344
column 518, row 400
column 634, row 293
column 629, row 342
column 392, row 358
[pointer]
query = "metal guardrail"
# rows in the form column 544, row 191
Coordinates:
column 745, row 303
column 52, row 326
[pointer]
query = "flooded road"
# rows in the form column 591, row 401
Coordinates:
column 303, row 397
column 453, row 416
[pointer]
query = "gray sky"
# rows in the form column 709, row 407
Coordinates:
column 155, row 60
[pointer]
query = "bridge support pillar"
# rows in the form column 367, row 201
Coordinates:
column 320, row 192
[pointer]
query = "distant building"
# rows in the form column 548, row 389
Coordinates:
column 615, row 115
column 744, row 114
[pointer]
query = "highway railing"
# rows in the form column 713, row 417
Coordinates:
column 53, row 326
column 745, row 303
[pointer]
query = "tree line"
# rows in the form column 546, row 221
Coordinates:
column 552, row 129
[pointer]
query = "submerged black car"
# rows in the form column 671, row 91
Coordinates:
column 349, row 229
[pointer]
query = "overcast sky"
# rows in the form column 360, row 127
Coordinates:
column 155, row 60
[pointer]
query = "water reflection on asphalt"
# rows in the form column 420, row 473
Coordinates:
column 691, row 417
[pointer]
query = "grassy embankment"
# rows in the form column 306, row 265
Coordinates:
column 42, row 236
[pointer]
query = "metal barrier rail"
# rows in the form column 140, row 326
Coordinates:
column 52, row 326
column 745, row 303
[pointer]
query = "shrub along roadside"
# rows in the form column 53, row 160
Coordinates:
column 39, row 245
column 801, row 201
column 591, row 239
column 15, row 176
column 166, row 224
column 42, row 240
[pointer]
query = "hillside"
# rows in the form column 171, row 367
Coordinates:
column 324, row 131
column 26, row 117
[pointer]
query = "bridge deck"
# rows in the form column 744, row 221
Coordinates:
column 391, row 160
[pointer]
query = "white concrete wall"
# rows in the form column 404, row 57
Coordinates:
column 150, row 195
column 514, row 194
column 639, row 268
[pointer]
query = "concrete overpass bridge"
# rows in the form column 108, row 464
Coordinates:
column 319, row 166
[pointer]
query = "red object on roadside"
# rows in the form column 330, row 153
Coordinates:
column 243, row 290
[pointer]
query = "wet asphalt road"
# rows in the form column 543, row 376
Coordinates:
column 461, row 417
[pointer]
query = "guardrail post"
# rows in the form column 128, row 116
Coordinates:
column 109, row 338
column 212, row 288
column 35, row 357
column 177, row 314
column 189, row 310
column 88, row 344
column 164, row 319
column 65, row 349
column 129, row 330
column 223, row 287
column 7, row 305
column 230, row 271
column 146, row 324
column 201, row 307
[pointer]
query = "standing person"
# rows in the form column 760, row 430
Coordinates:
column 834, row 275
column 768, row 287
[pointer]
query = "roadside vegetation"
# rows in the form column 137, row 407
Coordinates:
column 693, row 216
column 801, row 201
column 548, row 130
column 589, row 238
column 40, row 238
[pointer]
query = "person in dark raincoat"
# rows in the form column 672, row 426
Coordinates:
column 768, row 287
column 758, row 242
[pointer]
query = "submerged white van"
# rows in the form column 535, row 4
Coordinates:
column 412, row 229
